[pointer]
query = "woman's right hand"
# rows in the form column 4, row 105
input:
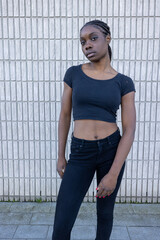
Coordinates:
column 61, row 165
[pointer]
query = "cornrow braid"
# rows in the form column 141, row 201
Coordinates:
column 103, row 27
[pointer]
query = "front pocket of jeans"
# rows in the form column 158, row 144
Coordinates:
column 76, row 147
column 115, row 141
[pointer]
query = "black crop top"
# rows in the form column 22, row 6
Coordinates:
column 96, row 99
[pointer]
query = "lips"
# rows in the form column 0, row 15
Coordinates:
column 90, row 54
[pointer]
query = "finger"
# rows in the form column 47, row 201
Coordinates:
column 60, row 172
column 109, row 193
column 99, row 192
column 103, row 193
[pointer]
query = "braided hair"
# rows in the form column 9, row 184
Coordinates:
column 103, row 27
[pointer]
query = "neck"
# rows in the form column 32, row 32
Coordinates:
column 103, row 65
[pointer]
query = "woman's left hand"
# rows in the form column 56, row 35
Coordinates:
column 106, row 185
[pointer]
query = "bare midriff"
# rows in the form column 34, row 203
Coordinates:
column 93, row 129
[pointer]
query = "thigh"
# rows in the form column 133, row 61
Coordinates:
column 74, row 185
column 106, row 205
column 78, row 175
column 79, row 172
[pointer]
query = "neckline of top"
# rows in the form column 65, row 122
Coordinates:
column 100, row 80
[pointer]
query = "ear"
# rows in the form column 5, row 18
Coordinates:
column 108, row 39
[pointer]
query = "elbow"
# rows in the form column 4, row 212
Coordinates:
column 130, row 131
column 129, row 135
column 65, row 116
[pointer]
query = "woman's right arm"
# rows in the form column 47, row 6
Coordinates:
column 63, row 127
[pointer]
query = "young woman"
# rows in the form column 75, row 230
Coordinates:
column 94, row 90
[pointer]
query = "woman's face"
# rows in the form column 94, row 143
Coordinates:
column 94, row 43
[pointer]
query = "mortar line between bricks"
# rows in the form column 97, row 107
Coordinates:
column 31, row 225
column 31, row 218
column 15, row 232
column 128, row 233
column 10, row 207
column 47, row 232
column 132, row 208
column 144, row 226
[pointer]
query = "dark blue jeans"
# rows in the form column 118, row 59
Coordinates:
column 86, row 157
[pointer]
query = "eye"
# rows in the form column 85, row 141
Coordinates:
column 82, row 42
column 94, row 38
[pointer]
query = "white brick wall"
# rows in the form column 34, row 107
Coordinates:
column 39, row 40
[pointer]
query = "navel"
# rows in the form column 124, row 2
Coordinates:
column 95, row 137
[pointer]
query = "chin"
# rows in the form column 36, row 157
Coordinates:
column 95, row 60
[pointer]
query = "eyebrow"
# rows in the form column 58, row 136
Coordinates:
column 89, row 34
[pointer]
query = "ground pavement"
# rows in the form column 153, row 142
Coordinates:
column 31, row 220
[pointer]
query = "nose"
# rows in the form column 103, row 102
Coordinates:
column 88, row 45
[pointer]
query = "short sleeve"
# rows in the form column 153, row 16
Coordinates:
column 68, row 76
column 127, row 85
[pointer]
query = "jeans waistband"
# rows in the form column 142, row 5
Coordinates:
column 106, row 139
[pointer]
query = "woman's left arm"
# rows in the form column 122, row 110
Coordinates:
column 128, row 116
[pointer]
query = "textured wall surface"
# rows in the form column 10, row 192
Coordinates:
column 39, row 40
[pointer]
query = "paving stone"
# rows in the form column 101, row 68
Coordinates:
column 5, row 206
column 28, row 231
column 88, row 218
column 88, row 207
column 42, row 218
column 50, row 232
column 31, row 207
column 7, row 231
column 119, row 232
column 15, row 218
column 147, row 233
column 146, row 208
column 78, row 232
column 131, row 221
column 83, row 232
column 53, row 207
column 123, row 208
column 136, row 220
